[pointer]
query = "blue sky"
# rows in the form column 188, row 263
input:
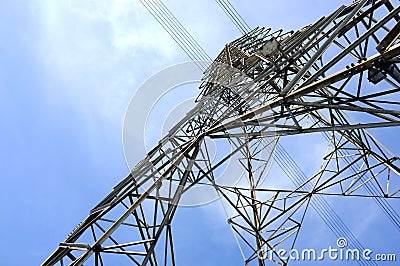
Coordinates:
column 67, row 72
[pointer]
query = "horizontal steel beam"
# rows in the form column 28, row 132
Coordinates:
column 305, row 130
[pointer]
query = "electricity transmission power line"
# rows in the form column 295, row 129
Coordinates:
column 234, row 16
column 288, row 165
column 175, row 29
column 313, row 80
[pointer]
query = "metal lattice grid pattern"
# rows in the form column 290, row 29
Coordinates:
column 337, row 77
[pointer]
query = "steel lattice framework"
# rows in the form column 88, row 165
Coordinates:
column 338, row 77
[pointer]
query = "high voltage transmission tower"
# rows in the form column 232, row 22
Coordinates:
column 337, row 77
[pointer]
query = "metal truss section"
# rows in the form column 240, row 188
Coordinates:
column 337, row 77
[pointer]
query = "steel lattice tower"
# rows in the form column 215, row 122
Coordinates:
column 338, row 77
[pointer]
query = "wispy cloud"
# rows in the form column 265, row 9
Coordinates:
column 96, row 54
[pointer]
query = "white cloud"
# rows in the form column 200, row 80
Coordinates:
column 96, row 53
